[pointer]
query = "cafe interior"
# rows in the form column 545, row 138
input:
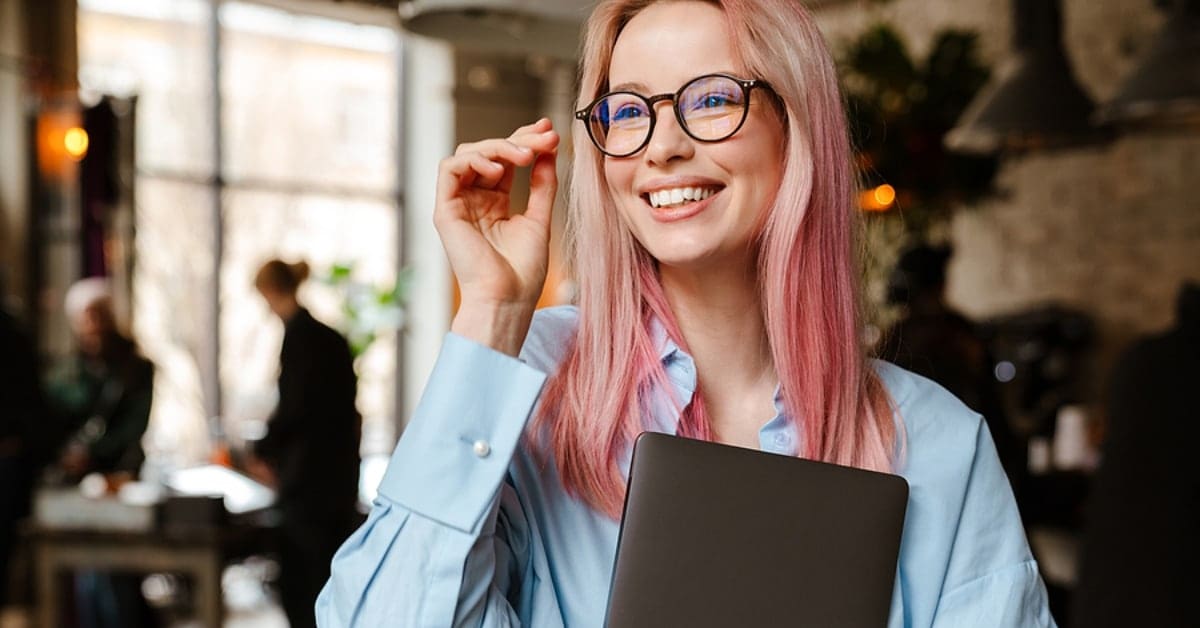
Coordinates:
column 1030, row 217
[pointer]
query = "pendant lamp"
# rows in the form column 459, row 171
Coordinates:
column 1033, row 100
column 506, row 26
column 1165, row 87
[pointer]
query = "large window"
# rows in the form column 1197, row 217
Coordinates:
column 308, row 170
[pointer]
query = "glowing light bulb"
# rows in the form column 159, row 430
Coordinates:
column 877, row 199
column 75, row 140
column 884, row 195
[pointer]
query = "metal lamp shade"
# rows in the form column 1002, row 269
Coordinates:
column 1033, row 101
column 506, row 26
column 1165, row 87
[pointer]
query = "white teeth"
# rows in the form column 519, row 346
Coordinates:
column 678, row 196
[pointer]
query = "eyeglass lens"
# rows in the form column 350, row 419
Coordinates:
column 711, row 108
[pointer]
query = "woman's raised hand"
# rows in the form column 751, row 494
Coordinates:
column 500, row 260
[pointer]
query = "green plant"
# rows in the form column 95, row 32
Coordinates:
column 368, row 310
column 900, row 111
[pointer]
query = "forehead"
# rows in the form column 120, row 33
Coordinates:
column 671, row 42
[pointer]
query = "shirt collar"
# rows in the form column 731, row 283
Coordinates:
column 662, row 340
column 777, row 435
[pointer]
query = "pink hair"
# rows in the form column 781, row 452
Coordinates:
column 594, row 406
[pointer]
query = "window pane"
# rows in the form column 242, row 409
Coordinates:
column 308, row 100
column 172, row 290
column 158, row 50
column 322, row 231
column 310, row 122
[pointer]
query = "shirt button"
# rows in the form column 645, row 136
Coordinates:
column 781, row 439
column 481, row 448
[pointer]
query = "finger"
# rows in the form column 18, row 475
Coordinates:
column 488, row 176
column 543, row 186
column 540, row 142
column 535, row 145
column 497, row 149
column 458, row 172
column 539, row 126
column 518, row 151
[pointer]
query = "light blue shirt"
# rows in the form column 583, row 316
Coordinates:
column 469, row 530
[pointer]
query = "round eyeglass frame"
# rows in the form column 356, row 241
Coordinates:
column 584, row 115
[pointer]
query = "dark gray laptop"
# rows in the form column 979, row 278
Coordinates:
column 715, row 535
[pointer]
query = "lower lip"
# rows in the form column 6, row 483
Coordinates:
column 682, row 212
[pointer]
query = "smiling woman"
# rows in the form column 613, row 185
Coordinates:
column 711, row 228
column 724, row 140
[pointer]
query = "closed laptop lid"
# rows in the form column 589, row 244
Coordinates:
column 716, row 535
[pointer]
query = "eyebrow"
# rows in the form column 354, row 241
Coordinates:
column 641, row 87
column 628, row 87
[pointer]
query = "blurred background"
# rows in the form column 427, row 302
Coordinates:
column 1031, row 217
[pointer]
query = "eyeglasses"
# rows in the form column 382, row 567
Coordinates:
column 709, row 108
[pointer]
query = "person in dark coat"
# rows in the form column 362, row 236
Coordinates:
column 22, row 432
column 101, row 394
column 312, row 443
column 1142, row 536
column 100, row 397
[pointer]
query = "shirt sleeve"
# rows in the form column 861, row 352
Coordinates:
column 992, row 579
column 126, row 425
column 447, row 541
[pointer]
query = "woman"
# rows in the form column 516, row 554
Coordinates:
column 712, row 246
column 310, row 450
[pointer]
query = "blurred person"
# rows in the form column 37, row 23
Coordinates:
column 310, row 452
column 935, row 340
column 23, row 435
column 101, row 396
column 711, row 222
column 1141, row 543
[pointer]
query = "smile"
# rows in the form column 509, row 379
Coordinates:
column 673, row 197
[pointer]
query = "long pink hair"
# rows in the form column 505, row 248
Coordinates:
column 595, row 405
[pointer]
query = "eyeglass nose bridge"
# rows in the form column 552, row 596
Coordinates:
column 652, row 106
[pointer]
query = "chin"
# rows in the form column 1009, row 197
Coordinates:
column 684, row 259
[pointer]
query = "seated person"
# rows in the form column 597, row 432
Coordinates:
column 101, row 395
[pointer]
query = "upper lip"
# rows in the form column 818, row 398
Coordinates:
column 678, row 181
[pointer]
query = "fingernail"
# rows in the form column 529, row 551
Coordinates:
column 526, row 150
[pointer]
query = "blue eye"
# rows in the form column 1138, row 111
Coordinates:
column 714, row 100
column 627, row 113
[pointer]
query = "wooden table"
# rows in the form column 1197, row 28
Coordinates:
column 198, row 553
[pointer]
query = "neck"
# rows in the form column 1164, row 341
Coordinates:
column 288, row 309
column 719, row 314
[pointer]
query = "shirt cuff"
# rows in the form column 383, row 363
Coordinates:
column 457, row 448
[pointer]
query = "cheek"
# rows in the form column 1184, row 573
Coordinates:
column 764, row 162
column 618, row 175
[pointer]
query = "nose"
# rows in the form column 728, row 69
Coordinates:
column 668, row 141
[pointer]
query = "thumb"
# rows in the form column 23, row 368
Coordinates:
column 543, row 185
